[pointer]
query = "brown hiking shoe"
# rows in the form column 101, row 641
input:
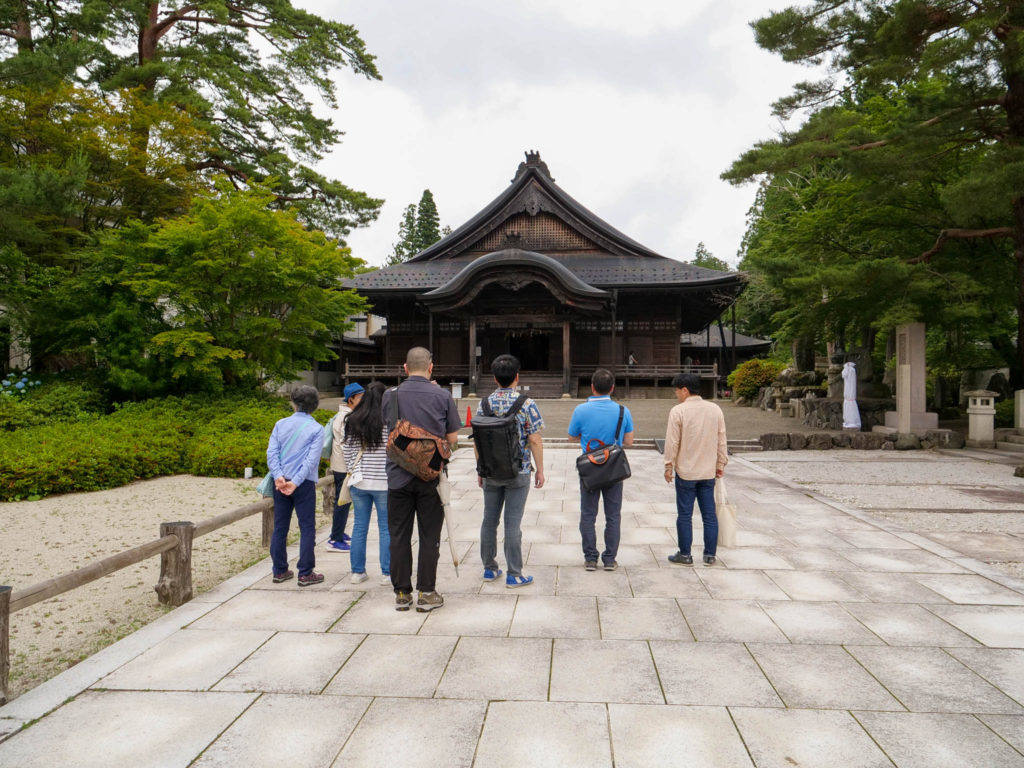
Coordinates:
column 310, row 578
column 429, row 601
column 279, row 577
column 403, row 601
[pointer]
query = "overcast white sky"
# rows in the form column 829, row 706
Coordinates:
column 637, row 106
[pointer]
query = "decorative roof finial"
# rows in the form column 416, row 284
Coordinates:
column 533, row 161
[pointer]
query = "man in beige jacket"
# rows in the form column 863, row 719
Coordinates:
column 695, row 454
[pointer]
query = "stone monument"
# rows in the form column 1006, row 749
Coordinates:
column 910, row 414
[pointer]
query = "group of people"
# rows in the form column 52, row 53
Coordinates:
column 363, row 458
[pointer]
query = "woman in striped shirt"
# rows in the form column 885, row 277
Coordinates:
column 366, row 436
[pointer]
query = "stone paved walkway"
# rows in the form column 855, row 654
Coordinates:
column 823, row 639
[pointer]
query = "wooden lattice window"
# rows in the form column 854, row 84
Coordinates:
column 543, row 232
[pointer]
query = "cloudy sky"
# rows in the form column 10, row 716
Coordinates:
column 637, row 106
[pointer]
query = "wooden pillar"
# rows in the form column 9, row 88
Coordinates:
column 5, row 642
column 175, row 584
column 472, row 357
column 430, row 330
column 733, row 367
column 566, row 358
column 268, row 524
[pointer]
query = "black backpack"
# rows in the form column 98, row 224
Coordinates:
column 499, row 454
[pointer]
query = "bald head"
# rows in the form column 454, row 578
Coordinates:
column 417, row 361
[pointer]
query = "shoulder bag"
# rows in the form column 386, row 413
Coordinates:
column 606, row 465
column 345, row 492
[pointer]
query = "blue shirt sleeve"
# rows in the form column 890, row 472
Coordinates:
column 274, row 454
column 574, row 423
column 627, row 422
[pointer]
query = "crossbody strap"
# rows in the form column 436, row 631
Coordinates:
column 395, row 412
column 618, row 425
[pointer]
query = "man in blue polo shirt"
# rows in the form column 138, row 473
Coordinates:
column 595, row 420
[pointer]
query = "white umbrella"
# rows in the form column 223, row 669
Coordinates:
column 444, row 490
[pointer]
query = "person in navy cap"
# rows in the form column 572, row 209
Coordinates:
column 340, row 541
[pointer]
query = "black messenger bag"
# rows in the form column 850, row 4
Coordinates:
column 605, row 465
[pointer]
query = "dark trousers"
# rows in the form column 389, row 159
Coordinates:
column 612, row 496
column 340, row 519
column 303, row 501
column 704, row 493
column 417, row 498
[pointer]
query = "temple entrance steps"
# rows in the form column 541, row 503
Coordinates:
column 1013, row 443
column 541, row 385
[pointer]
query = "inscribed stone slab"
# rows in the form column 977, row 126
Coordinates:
column 434, row 732
column 643, row 735
column 716, row 674
column 995, row 626
column 916, row 740
column 908, row 624
column 818, row 623
column 542, row 616
column 738, row 621
column 292, row 662
column 807, row 738
column 545, row 735
column 142, row 729
column 189, row 660
column 604, row 670
column 641, row 618
column 821, row 677
column 929, row 680
column 491, row 668
column 394, row 665
column 286, row 730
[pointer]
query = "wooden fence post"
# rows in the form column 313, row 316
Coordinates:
column 5, row 642
column 175, row 584
column 268, row 524
column 327, row 495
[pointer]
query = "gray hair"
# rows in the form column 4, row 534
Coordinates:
column 418, row 359
column 305, row 398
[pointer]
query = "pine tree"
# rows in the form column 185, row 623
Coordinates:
column 428, row 230
column 418, row 230
column 404, row 248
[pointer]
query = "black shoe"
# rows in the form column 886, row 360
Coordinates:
column 611, row 566
column 680, row 559
column 709, row 559
column 590, row 565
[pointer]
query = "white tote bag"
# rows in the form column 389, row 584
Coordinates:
column 726, row 512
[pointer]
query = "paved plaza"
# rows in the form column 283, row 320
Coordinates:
column 825, row 638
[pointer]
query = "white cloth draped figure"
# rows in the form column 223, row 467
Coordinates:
column 851, row 414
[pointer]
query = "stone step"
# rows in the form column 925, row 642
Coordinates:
column 1019, row 439
column 1007, row 446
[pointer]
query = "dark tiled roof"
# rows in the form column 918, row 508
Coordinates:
column 742, row 341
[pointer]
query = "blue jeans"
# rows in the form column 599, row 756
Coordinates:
column 340, row 517
column 303, row 501
column 704, row 492
column 510, row 494
column 612, row 521
column 362, row 501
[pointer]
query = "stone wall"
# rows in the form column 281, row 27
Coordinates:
column 823, row 441
column 827, row 413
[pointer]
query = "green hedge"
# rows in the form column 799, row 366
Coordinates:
column 138, row 441
column 52, row 402
column 748, row 378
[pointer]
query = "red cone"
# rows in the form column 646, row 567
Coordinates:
column 469, row 416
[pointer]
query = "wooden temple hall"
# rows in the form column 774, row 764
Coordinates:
column 537, row 275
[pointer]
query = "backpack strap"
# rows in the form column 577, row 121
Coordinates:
column 516, row 405
column 395, row 412
column 485, row 406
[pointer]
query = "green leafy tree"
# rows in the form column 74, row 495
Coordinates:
column 916, row 82
column 246, row 293
column 405, row 247
column 702, row 257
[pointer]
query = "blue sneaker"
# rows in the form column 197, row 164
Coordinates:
column 491, row 575
column 337, row 546
column 346, row 539
column 511, row 582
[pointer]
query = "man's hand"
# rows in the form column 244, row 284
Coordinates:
column 668, row 474
column 289, row 488
column 539, row 482
column 279, row 483
column 719, row 472
column 479, row 481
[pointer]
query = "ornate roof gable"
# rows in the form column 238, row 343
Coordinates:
column 535, row 214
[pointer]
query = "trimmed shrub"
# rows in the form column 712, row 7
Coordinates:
column 748, row 378
column 51, row 402
column 1004, row 413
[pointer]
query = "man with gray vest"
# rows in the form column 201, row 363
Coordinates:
column 509, row 488
column 423, row 404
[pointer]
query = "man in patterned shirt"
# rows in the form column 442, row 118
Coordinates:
column 510, row 494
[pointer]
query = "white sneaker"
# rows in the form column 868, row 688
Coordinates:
column 359, row 578
column 385, row 580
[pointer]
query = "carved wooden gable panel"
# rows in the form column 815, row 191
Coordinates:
column 541, row 232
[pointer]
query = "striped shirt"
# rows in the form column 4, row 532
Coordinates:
column 371, row 465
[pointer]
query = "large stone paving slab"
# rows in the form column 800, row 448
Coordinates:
column 377, row 614
column 643, row 735
column 580, row 582
column 472, row 615
column 826, row 623
column 394, row 665
column 541, row 616
column 277, row 730
column 930, row 680
column 545, row 735
column 642, row 619
column 891, row 587
column 738, row 621
column 1003, row 667
column 666, row 582
column 814, row 586
column 165, row 729
column 994, row 626
column 739, row 585
column 916, row 740
column 604, row 670
column 292, row 662
column 190, row 660
column 780, row 738
column 908, row 624
column 971, row 589
column 498, row 668
column 1010, row 727
column 279, row 611
column 415, row 733
column 737, row 680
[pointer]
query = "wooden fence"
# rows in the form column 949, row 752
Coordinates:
column 174, row 586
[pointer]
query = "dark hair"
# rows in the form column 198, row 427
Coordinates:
column 505, row 369
column 306, row 398
column 366, row 422
column 689, row 380
column 602, row 381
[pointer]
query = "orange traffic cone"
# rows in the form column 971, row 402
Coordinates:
column 469, row 416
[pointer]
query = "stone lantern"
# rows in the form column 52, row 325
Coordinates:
column 981, row 414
